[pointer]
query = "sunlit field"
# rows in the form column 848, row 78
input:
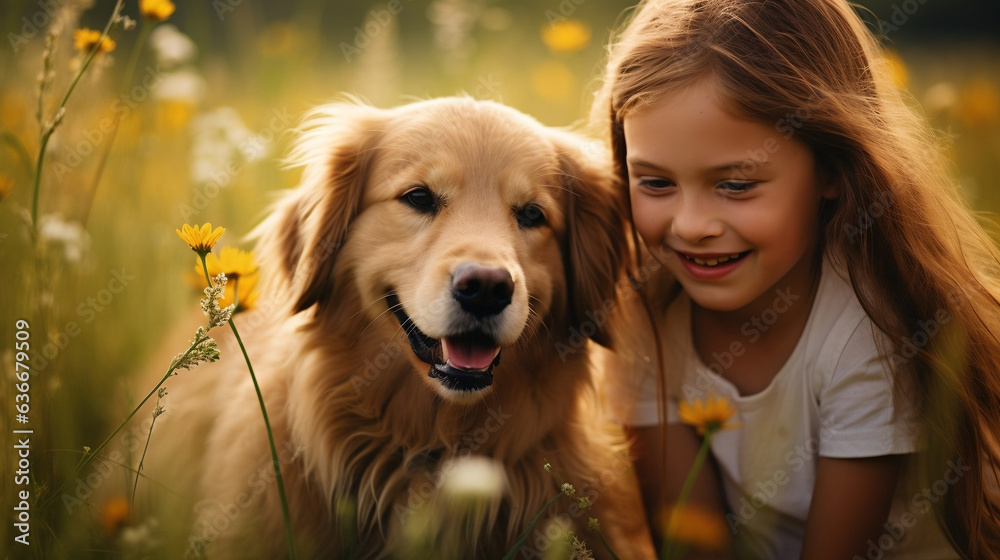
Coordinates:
column 187, row 121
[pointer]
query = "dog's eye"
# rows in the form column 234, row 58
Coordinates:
column 422, row 200
column 530, row 216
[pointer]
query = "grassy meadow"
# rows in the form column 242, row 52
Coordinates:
column 187, row 120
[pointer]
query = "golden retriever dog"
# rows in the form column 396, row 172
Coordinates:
column 427, row 289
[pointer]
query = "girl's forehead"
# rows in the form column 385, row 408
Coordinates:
column 693, row 109
column 691, row 128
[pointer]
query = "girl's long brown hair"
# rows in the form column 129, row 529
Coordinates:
column 920, row 262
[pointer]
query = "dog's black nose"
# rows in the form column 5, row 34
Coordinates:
column 482, row 290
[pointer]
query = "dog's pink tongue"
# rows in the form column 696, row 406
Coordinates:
column 468, row 356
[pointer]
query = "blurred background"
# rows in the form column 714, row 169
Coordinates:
column 186, row 121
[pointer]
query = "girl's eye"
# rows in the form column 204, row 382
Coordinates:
column 655, row 184
column 421, row 199
column 737, row 187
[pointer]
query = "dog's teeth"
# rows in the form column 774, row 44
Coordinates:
column 444, row 352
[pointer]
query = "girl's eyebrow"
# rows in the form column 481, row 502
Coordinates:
column 636, row 162
column 742, row 165
column 732, row 166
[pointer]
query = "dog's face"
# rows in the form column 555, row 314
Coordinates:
column 470, row 225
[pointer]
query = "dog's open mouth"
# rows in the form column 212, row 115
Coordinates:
column 461, row 362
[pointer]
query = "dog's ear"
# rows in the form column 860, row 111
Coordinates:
column 595, row 247
column 300, row 240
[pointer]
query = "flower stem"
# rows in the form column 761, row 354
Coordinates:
column 699, row 460
column 606, row 545
column 140, row 42
column 274, row 450
column 267, row 424
column 48, row 130
column 97, row 451
column 138, row 470
column 523, row 538
column 133, row 60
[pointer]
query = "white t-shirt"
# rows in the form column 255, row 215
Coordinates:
column 832, row 398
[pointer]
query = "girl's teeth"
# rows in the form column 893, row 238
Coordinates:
column 714, row 262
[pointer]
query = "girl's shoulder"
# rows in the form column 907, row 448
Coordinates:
column 841, row 338
column 836, row 306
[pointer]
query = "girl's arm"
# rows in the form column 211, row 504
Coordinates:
column 661, row 482
column 850, row 506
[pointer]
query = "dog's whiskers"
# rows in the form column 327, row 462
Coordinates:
column 539, row 320
column 372, row 322
column 371, row 303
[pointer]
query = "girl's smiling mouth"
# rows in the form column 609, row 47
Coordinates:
column 710, row 266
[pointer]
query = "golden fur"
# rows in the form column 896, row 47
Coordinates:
column 362, row 430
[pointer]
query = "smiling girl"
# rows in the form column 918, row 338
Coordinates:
column 822, row 274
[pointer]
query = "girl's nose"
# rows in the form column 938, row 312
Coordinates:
column 693, row 220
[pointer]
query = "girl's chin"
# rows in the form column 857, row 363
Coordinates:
column 721, row 299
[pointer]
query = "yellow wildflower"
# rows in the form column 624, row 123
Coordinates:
column 566, row 36
column 553, row 80
column 696, row 527
column 711, row 414
column 897, row 69
column 278, row 39
column 234, row 263
column 6, row 185
column 246, row 289
column 980, row 103
column 84, row 40
column 156, row 10
column 201, row 240
column 241, row 272
column 114, row 515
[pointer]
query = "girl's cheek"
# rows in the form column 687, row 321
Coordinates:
column 650, row 224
